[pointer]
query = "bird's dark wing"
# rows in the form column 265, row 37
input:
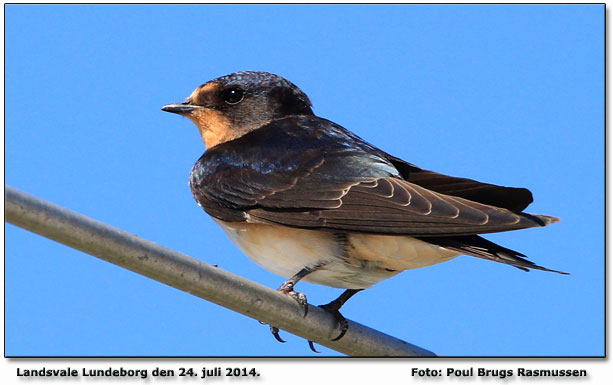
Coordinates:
column 392, row 206
column 511, row 198
column 308, row 172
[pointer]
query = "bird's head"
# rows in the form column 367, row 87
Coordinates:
column 228, row 107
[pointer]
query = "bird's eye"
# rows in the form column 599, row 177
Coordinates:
column 233, row 95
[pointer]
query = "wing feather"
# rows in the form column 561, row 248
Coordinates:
column 394, row 206
column 308, row 172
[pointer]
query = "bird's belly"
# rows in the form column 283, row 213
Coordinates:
column 343, row 260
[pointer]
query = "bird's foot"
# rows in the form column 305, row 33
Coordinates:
column 342, row 321
column 288, row 288
column 333, row 309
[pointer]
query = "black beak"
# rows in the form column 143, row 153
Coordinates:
column 179, row 108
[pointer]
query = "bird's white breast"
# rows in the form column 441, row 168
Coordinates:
column 354, row 262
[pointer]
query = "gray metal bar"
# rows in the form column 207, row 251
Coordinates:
column 196, row 277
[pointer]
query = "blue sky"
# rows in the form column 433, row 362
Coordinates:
column 505, row 94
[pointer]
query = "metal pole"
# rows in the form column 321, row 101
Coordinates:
column 196, row 277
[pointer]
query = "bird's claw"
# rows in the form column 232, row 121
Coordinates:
column 312, row 346
column 275, row 332
column 302, row 301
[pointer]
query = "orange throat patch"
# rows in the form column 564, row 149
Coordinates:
column 214, row 127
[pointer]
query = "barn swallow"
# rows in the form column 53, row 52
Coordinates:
column 308, row 199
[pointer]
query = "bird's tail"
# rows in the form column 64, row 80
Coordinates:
column 476, row 246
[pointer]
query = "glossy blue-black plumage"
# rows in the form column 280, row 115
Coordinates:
column 240, row 173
